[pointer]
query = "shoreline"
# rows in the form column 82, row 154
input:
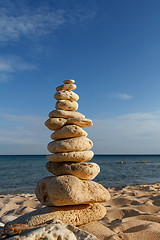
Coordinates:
column 132, row 213
column 112, row 187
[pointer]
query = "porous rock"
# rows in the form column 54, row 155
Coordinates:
column 65, row 114
column 71, row 156
column 66, row 95
column 66, row 105
column 66, row 87
column 81, row 122
column 69, row 81
column 83, row 170
column 55, row 231
column 70, row 145
column 55, row 123
column 68, row 131
column 69, row 190
column 76, row 215
column 48, row 232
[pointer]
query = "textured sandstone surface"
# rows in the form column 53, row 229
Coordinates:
column 55, row 123
column 69, row 190
column 70, row 145
column 56, row 230
column 66, row 105
column 68, row 131
column 71, row 156
column 66, row 95
column 83, row 170
column 81, row 122
column 47, row 232
column 69, row 81
column 67, row 87
column 65, row 114
column 76, row 215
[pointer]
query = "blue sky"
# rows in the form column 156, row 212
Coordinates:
column 110, row 47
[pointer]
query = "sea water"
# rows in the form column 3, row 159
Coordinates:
column 20, row 173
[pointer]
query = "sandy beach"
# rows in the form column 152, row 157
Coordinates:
column 133, row 213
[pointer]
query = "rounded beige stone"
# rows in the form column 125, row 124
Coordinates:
column 71, row 156
column 69, row 81
column 65, row 114
column 68, row 131
column 55, row 123
column 66, row 105
column 66, row 95
column 75, row 215
column 66, row 87
column 70, row 145
column 83, row 170
column 81, row 122
column 69, row 190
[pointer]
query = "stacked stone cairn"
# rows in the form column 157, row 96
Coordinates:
column 71, row 193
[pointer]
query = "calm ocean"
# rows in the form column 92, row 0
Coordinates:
column 19, row 174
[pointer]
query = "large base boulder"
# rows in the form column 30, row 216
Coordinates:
column 75, row 215
column 69, row 190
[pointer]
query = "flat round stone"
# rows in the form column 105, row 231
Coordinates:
column 81, row 122
column 55, row 123
column 71, row 156
column 66, row 95
column 83, row 170
column 68, row 131
column 67, row 87
column 76, row 215
column 65, row 114
column 69, row 81
column 70, row 145
column 66, row 105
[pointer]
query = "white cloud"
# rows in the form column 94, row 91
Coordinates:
column 139, row 116
column 23, row 134
column 124, row 96
column 26, row 134
column 120, row 96
column 12, row 64
column 15, row 23
column 132, row 133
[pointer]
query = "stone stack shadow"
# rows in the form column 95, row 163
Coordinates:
column 76, row 197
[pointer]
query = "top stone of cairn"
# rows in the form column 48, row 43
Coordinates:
column 69, row 81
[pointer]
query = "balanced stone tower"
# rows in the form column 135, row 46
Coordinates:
column 71, row 191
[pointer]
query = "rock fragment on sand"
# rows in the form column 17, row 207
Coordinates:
column 66, row 105
column 55, row 231
column 83, row 170
column 7, row 218
column 1, row 225
column 66, row 95
column 65, row 114
column 71, row 156
column 66, row 87
column 70, row 145
column 69, row 190
column 76, row 215
column 68, row 131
